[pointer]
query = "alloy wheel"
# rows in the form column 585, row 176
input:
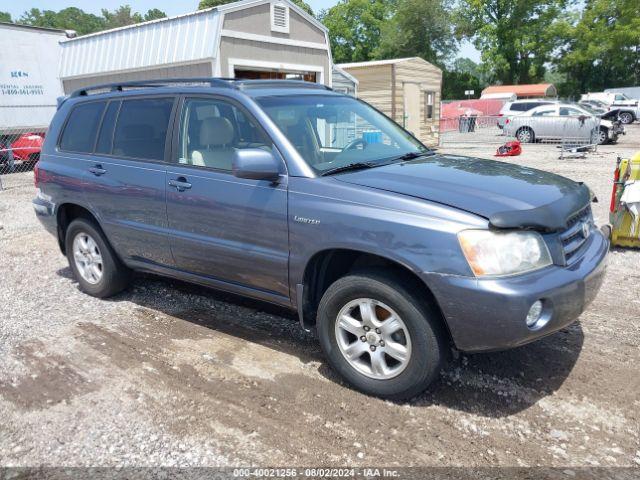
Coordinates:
column 373, row 339
column 87, row 258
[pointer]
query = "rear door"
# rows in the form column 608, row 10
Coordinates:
column 223, row 227
column 126, row 175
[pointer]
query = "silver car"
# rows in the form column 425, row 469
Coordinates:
column 559, row 122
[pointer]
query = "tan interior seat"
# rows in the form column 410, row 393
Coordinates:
column 216, row 140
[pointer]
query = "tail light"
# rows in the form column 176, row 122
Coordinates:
column 36, row 173
column 508, row 120
column 614, row 191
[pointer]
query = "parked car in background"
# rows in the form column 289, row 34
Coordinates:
column 296, row 195
column 561, row 121
column 595, row 105
column 518, row 107
column 27, row 147
column 629, row 107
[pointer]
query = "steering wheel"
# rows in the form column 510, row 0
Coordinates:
column 354, row 143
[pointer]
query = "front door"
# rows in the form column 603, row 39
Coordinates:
column 412, row 102
column 222, row 227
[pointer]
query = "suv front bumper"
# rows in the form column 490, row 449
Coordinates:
column 489, row 313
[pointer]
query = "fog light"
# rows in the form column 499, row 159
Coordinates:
column 535, row 312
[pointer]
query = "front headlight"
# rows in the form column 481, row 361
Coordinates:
column 503, row 253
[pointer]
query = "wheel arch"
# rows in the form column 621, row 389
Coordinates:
column 328, row 265
column 67, row 213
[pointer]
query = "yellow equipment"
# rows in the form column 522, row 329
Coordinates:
column 625, row 227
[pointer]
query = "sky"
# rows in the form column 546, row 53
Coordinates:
column 171, row 7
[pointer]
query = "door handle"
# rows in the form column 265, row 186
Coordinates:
column 180, row 184
column 97, row 170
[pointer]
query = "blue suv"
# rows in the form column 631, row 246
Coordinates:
column 293, row 194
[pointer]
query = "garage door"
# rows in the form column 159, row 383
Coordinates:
column 247, row 74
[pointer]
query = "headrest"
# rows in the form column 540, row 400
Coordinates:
column 137, row 131
column 216, row 131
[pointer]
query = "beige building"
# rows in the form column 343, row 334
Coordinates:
column 406, row 89
column 245, row 39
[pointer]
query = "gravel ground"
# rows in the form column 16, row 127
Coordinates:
column 171, row 374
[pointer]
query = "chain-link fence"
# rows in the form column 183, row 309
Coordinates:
column 19, row 150
column 572, row 134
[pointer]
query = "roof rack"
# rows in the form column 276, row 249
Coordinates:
column 249, row 84
column 218, row 82
column 120, row 86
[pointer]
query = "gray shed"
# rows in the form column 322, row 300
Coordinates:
column 245, row 39
column 344, row 82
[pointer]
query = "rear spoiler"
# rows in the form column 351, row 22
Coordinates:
column 61, row 100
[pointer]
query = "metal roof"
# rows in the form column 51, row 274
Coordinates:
column 376, row 63
column 42, row 29
column 529, row 90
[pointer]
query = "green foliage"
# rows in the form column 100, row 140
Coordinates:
column 601, row 47
column 419, row 28
column 73, row 18
column 5, row 17
column 355, row 28
column 514, row 36
column 463, row 74
column 215, row 3
column 70, row 18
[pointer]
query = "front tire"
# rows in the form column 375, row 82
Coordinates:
column 379, row 336
column 602, row 136
column 99, row 272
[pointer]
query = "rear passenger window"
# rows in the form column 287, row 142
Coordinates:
column 105, row 138
column 141, row 129
column 80, row 132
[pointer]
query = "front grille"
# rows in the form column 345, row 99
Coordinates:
column 573, row 238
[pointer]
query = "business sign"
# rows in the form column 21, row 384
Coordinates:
column 469, row 92
column 29, row 62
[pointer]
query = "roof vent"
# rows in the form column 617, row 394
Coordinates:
column 279, row 17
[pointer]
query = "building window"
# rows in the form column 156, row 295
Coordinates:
column 430, row 98
column 279, row 17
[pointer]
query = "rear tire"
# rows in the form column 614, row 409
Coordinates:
column 525, row 135
column 99, row 272
column 626, row 118
column 408, row 354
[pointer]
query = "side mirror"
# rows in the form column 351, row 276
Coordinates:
column 256, row 164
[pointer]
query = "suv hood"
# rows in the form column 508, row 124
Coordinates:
column 509, row 196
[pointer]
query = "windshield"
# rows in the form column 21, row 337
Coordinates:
column 331, row 131
column 588, row 108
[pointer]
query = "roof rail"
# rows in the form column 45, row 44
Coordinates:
column 248, row 84
column 120, row 86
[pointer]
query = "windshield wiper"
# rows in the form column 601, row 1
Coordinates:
column 350, row 166
column 413, row 156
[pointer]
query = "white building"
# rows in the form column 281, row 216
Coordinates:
column 245, row 39
column 29, row 81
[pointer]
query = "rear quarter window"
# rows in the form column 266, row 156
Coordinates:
column 79, row 133
column 141, row 128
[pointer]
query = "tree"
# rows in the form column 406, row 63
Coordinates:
column 419, row 28
column 5, row 17
column 355, row 28
column 215, row 3
column 515, row 36
column 71, row 18
column 463, row 74
column 154, row 14
column 601, row 47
